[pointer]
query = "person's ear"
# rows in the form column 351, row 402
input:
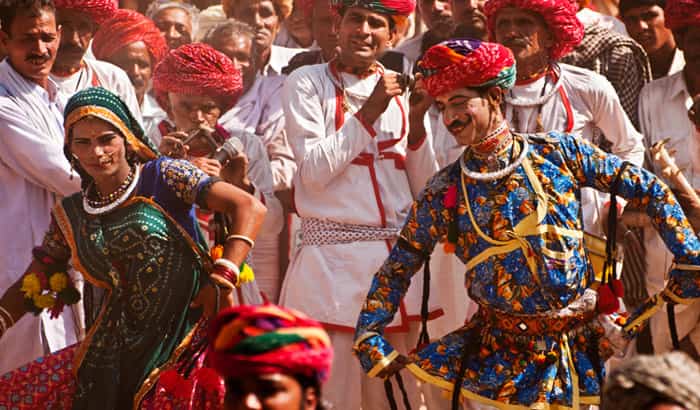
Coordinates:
column 309, row 399
column 495, row 96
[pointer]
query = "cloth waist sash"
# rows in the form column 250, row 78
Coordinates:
column 317, row 232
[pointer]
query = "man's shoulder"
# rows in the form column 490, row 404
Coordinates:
column 313, row 72
column 108, row 71
column 583, row 79
column 658, row 89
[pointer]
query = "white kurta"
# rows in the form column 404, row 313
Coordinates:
column 96, row 73
column 349, row 173
column 259, row 111
column 592, row 104
column 152, row 114
column 33, row 174
column 279, row 58
column 411, row 48
column 663, row 113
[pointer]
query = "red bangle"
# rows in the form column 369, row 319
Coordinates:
column 226, row 273
column 617, row 204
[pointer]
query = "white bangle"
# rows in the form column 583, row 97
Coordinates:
column 9, row 316
column 242, row 238
column 228, row 264
column 3, row 326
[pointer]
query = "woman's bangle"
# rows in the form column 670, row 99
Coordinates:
column 242, row 238
column 9, row 316
column 3, row 326
column 227, row 264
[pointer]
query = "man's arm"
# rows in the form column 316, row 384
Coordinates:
column 33, row 155
column 594, row 168
column 422, row 230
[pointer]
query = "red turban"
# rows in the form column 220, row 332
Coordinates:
column 460, row 63
column 251, row 340
column 99, row 10
column 126, row 27
column 398, row 10
column 682, row 13
column 560, row 16
column 197, row 69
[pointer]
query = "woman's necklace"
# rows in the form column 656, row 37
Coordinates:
column 492, row 176
column 113, row 200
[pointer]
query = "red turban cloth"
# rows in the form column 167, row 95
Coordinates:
column 461, row 63
column 99, row 10
column 682, row 13
column 197, row 69
column 398, row 10
column 126, row 27
column 252, row 340
column 560, row 16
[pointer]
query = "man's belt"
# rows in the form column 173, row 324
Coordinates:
column 317, row 232
column 580, row 311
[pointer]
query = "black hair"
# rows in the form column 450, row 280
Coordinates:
column 304, row 381
column 10, row 9
column 627, row 5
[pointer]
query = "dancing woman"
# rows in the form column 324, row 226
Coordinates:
column 132, row 232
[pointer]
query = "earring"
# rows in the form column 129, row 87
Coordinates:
column 72, row 166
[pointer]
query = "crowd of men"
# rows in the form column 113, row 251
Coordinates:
column 335, row 145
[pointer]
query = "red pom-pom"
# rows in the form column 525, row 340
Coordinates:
column 208, row 379
column 169, row 380
column 618, row 288
column 607, row 301
column 450, row 199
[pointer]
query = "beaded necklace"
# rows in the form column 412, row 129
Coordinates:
column 495, row 175
column 114, row 199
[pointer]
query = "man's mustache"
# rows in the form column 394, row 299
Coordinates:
column 70, row 48
column 39, row 58
column 517, row 42
column 457, row 124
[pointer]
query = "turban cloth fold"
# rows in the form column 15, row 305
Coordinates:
column 99, row 10
column 682, row 13
column 197, row 69
column 283, row 7
column 460, row 63
column 398, row 10
column 126, row 27
column 100, row 103
column 246, row 340
column 560, row 16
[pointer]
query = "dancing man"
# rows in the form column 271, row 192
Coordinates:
column 510, row 209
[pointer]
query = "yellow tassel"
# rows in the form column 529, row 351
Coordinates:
column 246, row 275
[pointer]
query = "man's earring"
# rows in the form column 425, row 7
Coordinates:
column 72, row 165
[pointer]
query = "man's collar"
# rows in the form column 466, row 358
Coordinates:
column 677, row 86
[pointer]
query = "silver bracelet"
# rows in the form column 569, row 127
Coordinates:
column 3, row 326
column 242, row 238
column 9, row 316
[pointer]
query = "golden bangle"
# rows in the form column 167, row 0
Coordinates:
column 242, row 238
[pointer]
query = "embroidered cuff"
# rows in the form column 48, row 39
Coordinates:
column 203, row 190
column 374, row 352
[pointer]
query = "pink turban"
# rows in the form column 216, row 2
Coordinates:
column 99, row 10
column 560, row 16
column 126, row 27
column 682, row 13
column 460, row 63
column 197, row 69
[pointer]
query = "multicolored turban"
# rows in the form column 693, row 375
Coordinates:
column 197, row 69
column 283, row 7
column 103, row 104
column 460, row 63
column 252, row 340
column 398, row 10
column 682, row 13
column 126, row 27
column 560, row 16
column 99, row 10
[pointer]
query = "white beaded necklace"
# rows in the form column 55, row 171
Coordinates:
column 113, row 205
column 492, row 176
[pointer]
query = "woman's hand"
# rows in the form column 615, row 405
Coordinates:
column 235, row 172
column 206, row 299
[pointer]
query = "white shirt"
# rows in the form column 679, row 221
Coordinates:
column 411, row 48
column 678, row 62
column 34, row 173
column 593, row 104
column 96, row 73
column 259, row 111
column 663, row 113
column 357, row 174
column 285, row 39
column 279, row 58
column 152, row 114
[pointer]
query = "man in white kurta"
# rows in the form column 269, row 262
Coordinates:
column 72, row 72
column 552, row 96
column 34, row 173
column 356, row 179
column 663, row 113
